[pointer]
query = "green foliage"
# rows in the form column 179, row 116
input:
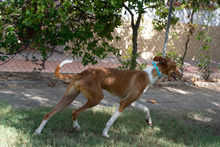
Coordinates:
column 162, row 12
column 127, row 62
column 3, row 57
column 44, row 25
column 139, row 7
column 173, row 54
column 204, row 55
column 128, row 54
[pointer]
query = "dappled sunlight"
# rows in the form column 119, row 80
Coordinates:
column 202, row 118
column 156, row 129
column 129, row 128
column 36, row 98
column 5, row 110
column 210, row 111
column 29, row 97
column 215, row 103
column 146, row 55
column 205, row 117
column 180, row 91
column 10, row 119
column 8, row 92
column 9, row 137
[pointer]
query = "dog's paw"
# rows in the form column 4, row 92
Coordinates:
column 105, row 135
column 77, row 128
column 36, row 134
column 76, row 125
column 149, row 123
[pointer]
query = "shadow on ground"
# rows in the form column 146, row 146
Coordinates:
column 129, row 129
column 200, row 104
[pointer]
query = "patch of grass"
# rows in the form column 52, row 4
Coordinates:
column 130, row 129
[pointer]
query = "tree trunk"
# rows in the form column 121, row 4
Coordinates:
column 134, row 51
column 191, row 30
column 186, row 49
column 134, row 41
column 134, row 36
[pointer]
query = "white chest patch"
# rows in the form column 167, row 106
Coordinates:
column 149, row 73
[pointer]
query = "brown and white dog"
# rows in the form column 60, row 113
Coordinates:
column 128, row 85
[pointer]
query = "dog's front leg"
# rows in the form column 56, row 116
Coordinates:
column 110, row 122
column 145, row 109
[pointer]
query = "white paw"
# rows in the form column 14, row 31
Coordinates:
column 76, row 127
column 36, row 133
column 105, row 135
column 149, row 122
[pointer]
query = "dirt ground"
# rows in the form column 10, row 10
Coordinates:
column 198, row 104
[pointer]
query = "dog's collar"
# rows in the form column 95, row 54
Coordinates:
column 157, row 69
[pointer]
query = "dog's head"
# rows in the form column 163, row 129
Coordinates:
column 168, row 66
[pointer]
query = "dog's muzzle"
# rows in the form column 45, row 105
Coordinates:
column 173, row 75
column 178, row 74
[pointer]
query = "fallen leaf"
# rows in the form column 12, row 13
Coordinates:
column 51, row 84
column 151, row 101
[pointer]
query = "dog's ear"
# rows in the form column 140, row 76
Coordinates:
column 163, row 62
column 157, row 58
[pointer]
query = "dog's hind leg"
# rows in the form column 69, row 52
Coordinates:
column 94, row 95
column 146, row 111
column 75, row 113
column 67, row 99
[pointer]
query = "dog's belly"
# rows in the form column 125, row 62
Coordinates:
column 116, row 92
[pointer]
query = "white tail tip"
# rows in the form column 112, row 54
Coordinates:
column 65, row 62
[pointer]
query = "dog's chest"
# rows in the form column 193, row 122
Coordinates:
column 152, row 78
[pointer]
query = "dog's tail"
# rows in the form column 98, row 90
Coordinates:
column 61, row 76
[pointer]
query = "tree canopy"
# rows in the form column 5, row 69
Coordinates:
column 88, row 24
column 45, row 24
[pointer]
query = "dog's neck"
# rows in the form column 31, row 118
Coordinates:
column 157, row 69
column 152, row 74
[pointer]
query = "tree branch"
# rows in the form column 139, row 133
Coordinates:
column 14, row 54
column 154, row 6
column 132, row 15
column 138, row 20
